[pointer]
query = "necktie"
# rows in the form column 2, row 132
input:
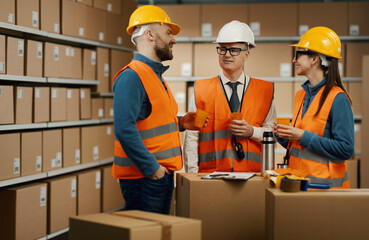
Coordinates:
column 234, row 102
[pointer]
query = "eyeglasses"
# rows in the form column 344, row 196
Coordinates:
column 232, row 51
column 298, row 53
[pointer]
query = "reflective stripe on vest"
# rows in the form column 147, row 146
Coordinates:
column 159, row 131
column 215, row 149
column 320, row 169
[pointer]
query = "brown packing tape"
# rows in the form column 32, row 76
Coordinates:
column 166, row 230
column 290, row 185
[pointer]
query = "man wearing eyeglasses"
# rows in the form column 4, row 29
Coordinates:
column 230, row 145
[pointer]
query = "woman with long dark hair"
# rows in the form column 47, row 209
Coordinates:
column 321, row 137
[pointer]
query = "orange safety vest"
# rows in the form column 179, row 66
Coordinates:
column 215, row 147
column 159, row 131
column 320, row 169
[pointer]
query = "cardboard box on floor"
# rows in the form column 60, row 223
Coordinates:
column 50, row 15
column 41, row 107
column 214, row 16
column 28, row 13
column 51, row 150
column 331, row 214
column 89, row 192
column 227, row 209
column 111, row 195
column 187, row 16
column 7, row 104
column 23, row 211
column 7, row 11
column 333, row 15
column 62, row 197
column 134, row 225
column 15, row 56
column 23, row 105
column 10, row 159
column 265, row 17
column 71, row 146
column 31, row 153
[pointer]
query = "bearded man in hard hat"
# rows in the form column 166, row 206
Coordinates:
column 230, row 145
column 147, row 147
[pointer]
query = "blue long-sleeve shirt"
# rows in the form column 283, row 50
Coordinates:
column 338, row 141
column 131, row 104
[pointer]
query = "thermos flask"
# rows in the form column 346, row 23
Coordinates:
column 268, row 151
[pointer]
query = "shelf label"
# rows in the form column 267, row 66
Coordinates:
column 106, row 69
column 119, row 40
column 82, row 94
column 101, row 112
column 56, row 53
column 34, row 19
column 58, row 159
column 110, row 7
column 38, row 163
column 303, row 29
column 69, row 94
column 16, row 165
column 2, row 66
column 108, row 130
column 111, row 112
column 186, row 69
column 96, row 152
column 206, row 30
column 73, row 188
column 77, row 156
column 285, row 70
column 101, row 36
column 93, row 58
column 255, row 28
column 354, row 29
column 56, row 27
column 39, row 50
column 42, row 196
column 98, row 180
column 55, row 93
column 37, row 93
column 11, row 18
column 81, row 31
column 20, row 94
column 67, row 51
column 180, row 97
column 20, row 48
column 340, row 69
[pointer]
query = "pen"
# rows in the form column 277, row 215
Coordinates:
column 219, row 175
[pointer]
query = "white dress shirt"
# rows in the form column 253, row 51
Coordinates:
column 191, row 143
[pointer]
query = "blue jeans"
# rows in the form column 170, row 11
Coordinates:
column 148, row 195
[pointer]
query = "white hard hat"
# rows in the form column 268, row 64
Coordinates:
column 236, row 31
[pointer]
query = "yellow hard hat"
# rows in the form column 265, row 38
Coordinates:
column 321, row 40
column 150, row 14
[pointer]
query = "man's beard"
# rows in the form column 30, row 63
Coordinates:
column 164, row 52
